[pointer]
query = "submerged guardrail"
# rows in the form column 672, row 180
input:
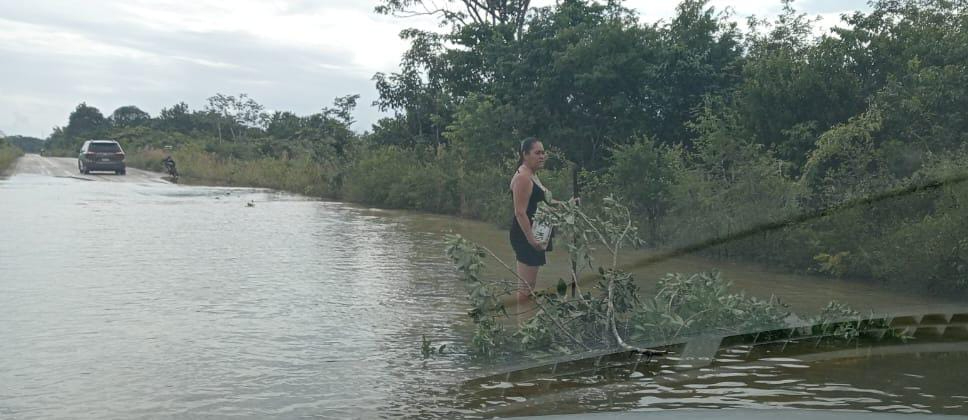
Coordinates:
column 935, row 329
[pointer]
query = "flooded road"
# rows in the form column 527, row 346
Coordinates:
column 130, row 297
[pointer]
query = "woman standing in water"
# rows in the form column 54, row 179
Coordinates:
column 526, row 192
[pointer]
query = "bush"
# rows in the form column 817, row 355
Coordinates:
column 145, row 158
column 643, row 173
column 391, row 177
column 8, row 154
column 485, row 193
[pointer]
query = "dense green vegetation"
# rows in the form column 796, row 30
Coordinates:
column 8, row 154
column 709, row 132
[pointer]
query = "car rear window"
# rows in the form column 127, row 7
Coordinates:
column 104, row 147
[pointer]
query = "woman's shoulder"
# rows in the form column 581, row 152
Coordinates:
column 519, row 177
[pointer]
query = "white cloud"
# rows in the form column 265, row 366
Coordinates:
column 206, row 63
column 370, row 40
column 25, row 38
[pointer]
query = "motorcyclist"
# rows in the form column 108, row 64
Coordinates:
column 170, row 166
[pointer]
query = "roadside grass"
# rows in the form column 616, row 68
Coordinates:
column 197, row 167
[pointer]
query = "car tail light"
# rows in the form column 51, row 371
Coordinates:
column 89, row 155
column 119, row 155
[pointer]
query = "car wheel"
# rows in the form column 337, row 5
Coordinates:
column 79, row 167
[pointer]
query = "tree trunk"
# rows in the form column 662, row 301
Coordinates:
column 575, row 191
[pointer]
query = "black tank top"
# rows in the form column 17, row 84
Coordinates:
column 537, row 196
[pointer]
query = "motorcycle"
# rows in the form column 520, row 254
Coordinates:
column 171, row 170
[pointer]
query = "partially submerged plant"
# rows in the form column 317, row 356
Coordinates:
column 702, row 303
column 613, row 313
column 560, row 323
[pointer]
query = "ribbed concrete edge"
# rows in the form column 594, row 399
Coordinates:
column 744, row 414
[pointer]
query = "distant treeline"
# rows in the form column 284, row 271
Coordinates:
column 25, row 143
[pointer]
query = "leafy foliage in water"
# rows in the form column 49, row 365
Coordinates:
column 703, row 303
column 615, row 313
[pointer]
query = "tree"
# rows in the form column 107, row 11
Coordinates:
column 583, row 79
column 284, row 125
column 342, row 109
column 795, row 86
column 177, row 118
column 417, row 93
column 434, row 79
column 238, row 114
column 334, row 123
column 85, row 121
column 460, row 14
column 219, row 107
column 701, row 56
column 484, row 130
column 909, row 58
column 127, row 116
column 392, row 131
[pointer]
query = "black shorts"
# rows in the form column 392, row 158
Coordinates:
column 524, row 252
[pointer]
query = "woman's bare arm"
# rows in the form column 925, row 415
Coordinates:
column 521, row 193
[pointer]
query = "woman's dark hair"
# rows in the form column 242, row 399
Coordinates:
column 526, row 146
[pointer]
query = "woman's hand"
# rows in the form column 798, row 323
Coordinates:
column 537, row 245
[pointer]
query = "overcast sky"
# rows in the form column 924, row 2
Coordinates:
column 292, row 55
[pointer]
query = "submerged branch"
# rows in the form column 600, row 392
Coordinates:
column 618, row 337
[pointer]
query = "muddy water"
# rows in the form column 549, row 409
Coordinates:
column 907, row 378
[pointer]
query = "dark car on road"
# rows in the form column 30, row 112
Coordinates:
column 101, row 155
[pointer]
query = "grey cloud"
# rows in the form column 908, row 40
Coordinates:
column 280, row 77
